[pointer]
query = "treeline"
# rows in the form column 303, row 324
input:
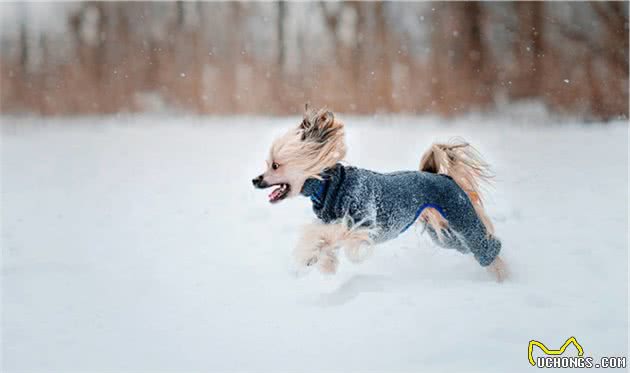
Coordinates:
column 356, row 57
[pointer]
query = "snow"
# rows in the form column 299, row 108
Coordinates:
column 138, row 243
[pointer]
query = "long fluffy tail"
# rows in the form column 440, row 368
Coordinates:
column 464, row 164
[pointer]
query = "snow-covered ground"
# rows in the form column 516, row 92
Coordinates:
column 138, row 243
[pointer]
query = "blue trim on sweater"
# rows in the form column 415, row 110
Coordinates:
column 431, row 205
column 317, row 197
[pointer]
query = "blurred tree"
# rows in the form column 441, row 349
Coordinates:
column 602, row 54
column 282, row 14
column 460, row 74
column 363, row 57
column 528, row 50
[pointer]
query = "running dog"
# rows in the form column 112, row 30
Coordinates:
column 358, row 208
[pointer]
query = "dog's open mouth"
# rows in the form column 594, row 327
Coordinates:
column 279, row 193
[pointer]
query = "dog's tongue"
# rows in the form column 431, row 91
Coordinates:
column 275, row 194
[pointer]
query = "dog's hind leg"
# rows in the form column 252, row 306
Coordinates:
column 465, row 233
column 471, row 228
column 499, row 269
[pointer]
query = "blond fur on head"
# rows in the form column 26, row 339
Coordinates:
column 316, row 144
column 464, row 164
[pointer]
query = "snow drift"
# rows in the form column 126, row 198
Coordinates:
column 138, row 243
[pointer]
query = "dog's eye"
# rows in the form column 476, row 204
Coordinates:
column 275, row 166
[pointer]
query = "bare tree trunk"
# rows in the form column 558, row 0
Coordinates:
column 180, row 14
column 22, row 91
column 358, row 52
column 383, row 60
column 474, row 53
column 24, row 55
column 614, row 18
column 528, row 50
column 460, row 68
column 331, row 19
column 596, row 100
column 615, row 21
column 199, row 60
column 538, row 45
column 100, row 52
column 439, row 61
column 278, row 87
column 282, row 13
column 233, row 53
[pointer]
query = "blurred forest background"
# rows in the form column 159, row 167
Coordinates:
column 272, row 57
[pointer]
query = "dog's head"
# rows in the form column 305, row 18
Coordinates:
column 303, row 152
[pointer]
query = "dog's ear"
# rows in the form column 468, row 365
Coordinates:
column 325, row 118
column 319, row 126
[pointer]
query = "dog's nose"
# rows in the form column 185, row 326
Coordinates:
column 257, row 180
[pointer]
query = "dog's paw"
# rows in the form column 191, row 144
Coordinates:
column 328, row 264
column 299, row 272
column 302, row 266
column 358, row 252
column 304, row 261
column 306, row 256
column 498, row 268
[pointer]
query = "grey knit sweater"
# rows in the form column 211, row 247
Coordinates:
column 392, row 202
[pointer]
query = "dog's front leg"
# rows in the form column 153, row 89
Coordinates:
column 318, row 246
